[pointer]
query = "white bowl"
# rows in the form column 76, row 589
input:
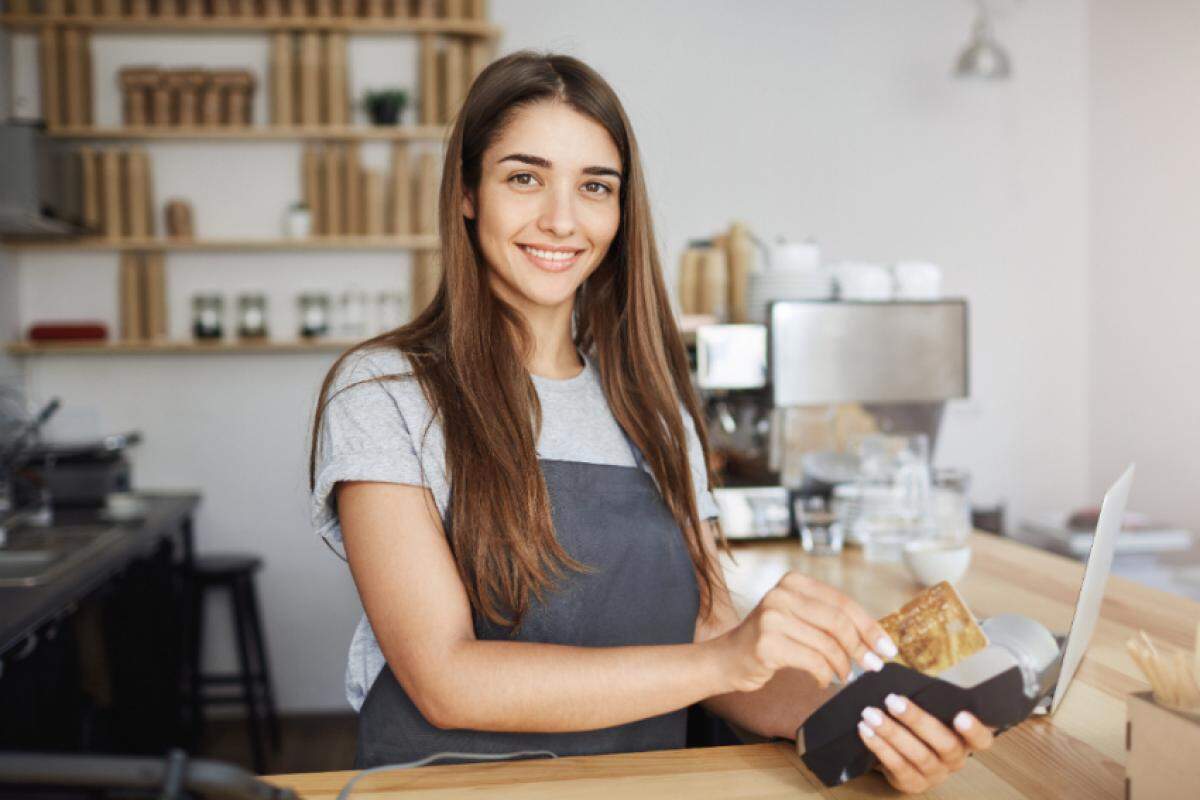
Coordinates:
column 933, row 562
column 124, row 505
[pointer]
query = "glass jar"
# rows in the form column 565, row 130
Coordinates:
column 252, row 316
column 314, row 315
column 208, row 316
column 352, row 314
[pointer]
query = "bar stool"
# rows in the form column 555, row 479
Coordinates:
column 252, row 682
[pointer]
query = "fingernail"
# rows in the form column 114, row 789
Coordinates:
column 873, row 715
column 872, row 661
column 886, row 646
column 962, row 721
column 895, row 703
column 865, row 730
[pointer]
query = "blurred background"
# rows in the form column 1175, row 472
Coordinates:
column 243, row 214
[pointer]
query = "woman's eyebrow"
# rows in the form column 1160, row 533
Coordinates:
column 538, row 161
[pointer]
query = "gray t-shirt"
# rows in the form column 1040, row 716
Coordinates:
column 384, row 431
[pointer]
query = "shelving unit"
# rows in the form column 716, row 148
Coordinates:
column 228, row 24
column 412, row 133
column 166, row 347
column 416, row 242
column 428, row 20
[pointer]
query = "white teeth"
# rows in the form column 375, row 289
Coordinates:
column 548, row 256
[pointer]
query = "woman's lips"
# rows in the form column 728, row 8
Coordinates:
column 557, row 265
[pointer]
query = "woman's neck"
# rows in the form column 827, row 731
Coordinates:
column 554, row 353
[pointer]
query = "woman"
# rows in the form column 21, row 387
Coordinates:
column 519, row 478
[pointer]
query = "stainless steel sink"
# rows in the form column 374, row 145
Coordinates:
column 33, row 556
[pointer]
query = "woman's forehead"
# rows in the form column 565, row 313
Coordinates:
column 558, row 135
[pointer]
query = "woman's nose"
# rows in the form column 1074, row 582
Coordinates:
column 558, row 215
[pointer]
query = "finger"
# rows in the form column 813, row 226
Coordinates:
column 874, row 637
column 914, row 751
column 832, row 620
column 943, row 741
column 899, row 772
column 783, row 651
column 977, row 735
column 801, row 632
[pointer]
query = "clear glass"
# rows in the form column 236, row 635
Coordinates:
column 252, row 316
column 895, row 487
column 820, row 533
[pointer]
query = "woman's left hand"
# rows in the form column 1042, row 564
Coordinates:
column 915, row 750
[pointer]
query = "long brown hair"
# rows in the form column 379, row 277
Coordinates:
column 468, row 350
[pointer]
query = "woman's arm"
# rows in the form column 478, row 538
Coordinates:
column 419, row 611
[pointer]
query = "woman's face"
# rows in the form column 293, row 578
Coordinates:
column 548, row 205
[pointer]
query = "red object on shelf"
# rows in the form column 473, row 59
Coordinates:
column 68, row 331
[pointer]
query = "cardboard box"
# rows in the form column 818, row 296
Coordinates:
column 1163, row 745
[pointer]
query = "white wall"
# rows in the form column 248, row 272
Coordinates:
column 838, row 121
column 1145, row 189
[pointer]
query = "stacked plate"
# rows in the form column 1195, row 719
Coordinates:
column 861, row 280
column 806, row 284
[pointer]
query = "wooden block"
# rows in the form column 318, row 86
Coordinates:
column 154, row 295
column 282, row 69
column 428, row 69
column 1162, row 747
column 426, row 275
column 333, row 190
column 129, row 289
column 400, row 191
column 336, row 109
column 352, row 206
column 111, row 176
column 455, row 86
column 310, row 79
column 89, row 173
column 134, row 186
column 51, row 76
column 373, row 200
column 312, row 188
column 428, row 185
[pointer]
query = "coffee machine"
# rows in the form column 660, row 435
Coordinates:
column 785, row 402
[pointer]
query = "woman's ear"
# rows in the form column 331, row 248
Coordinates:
column 468, row 205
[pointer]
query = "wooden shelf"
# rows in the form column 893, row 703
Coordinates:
column 460, row 27
column 256, row 132
column 413, row 242
column 165, row 347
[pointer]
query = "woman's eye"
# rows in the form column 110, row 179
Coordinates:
column 604, row 188
column 522, row 175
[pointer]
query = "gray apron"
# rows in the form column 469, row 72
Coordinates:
column 642, row 591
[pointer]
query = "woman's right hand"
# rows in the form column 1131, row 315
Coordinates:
column 807, row 625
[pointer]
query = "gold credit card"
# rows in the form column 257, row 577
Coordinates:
column 934, row 631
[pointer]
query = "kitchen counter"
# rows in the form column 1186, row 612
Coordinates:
column 1077, row 753
column 24, row 609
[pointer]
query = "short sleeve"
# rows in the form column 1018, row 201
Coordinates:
column 706, row 503
column 364, row 436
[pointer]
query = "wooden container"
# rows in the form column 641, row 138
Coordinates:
column 282, row 77
column 90, row 191
column 134, row 192
column 739, row 253
column 712, row 286
column 51, row 75
column 162, row 111
column 429, row 79
column 454, row 76
column 427, row 9
column 154, row 295
column 352, row 208
column 189, row 88
column 373, row 203
column 426, row 204
column 179, row 220
column 130, row 296
column 110, row 178
column 136, row 84
column 1163, row 746
column 333, row 187
column 400, row 191
column 335, row 108
column 310, row 79
column 689, row 281
column 311, row 170
column 73, row 76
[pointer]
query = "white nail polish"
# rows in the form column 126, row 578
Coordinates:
column 962, row 721
column 866, row 731
column 873, row 716
column 895, row 703
column 887, row 647
column 872, row 662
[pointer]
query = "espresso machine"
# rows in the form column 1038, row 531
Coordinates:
column 786, row 402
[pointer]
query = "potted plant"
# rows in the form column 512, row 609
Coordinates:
column 385, row 106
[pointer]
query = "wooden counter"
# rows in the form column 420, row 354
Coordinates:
column 1079, row 753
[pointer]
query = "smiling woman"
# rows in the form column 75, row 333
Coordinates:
column 520, row 480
